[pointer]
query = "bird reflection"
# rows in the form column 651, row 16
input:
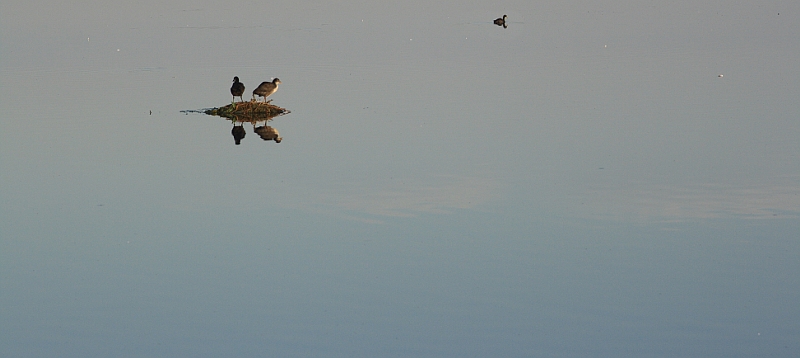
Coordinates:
column 501, row 21
column 238, row 132
column 268, row 133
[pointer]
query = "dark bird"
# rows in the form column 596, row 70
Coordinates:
column 501, row 21
column 237, row 90
column 266, row 88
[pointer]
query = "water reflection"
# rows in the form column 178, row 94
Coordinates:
column 402, row 198
column 267, row 133
column 414, row 215
column 253, row 112
column 238, row 132
column 772, row 199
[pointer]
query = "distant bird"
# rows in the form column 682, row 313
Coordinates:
column 266, row 88
column 501, row 21
column 237, row 90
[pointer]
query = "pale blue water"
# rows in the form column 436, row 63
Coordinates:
column 582, row 183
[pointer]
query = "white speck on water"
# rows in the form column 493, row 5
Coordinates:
column 720, row 75
column 117, row 50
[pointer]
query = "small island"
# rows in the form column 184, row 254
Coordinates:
column 253, row 110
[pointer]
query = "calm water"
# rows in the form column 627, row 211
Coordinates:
column 599, row 179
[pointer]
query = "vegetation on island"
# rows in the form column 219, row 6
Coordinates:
column 253, row 110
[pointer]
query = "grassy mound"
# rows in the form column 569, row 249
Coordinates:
column 252, row 109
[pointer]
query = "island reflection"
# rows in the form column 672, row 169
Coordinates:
column 254, row 113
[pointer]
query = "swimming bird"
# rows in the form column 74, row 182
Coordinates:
column 501, row 21
column 237, row 90
column 266, row 88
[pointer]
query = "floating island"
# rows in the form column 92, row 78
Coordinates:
column 249, row 111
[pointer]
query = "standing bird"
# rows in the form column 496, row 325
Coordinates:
column 501, row 21
column 237, row 90
column 266, row 88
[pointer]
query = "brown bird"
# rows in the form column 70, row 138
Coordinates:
column 266, row 88
column 501, row 21
column 237, row 90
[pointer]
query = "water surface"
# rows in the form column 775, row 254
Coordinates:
column 608, row 178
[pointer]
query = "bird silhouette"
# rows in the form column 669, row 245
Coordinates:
column 237, row 90
column 501, row 21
